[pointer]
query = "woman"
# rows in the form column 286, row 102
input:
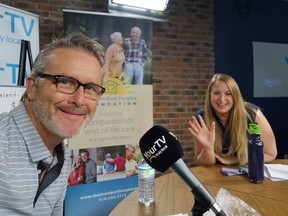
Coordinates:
column 77, row 174
column 114, row 56
column 220, row 132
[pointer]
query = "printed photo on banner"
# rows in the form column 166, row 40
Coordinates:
column 127, row 43
column 84, row 167
column 103, row 163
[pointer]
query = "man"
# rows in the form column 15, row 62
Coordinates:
column 135, row 50
column 90, row 167
column 60, row 99
column 108, row 167
column 119, row 162
column 131, row 165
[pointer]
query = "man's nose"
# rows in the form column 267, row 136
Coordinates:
column 78, row 96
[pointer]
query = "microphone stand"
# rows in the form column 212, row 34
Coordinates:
column 198, row 209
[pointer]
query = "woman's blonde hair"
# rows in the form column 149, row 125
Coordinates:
column 237, row 125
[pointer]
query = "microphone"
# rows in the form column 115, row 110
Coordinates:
column 162, row 150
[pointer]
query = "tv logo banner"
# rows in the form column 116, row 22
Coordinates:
column 16, row 25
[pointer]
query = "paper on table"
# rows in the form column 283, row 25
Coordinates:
column 276, row 172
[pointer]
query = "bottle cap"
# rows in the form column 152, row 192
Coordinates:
column 254, row 128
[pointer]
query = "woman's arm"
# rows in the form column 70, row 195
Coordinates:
column 206, row 157
column 267, row 137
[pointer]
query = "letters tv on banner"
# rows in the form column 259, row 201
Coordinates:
column 124, row 113
column 16, row 25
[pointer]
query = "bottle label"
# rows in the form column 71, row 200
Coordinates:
column 146, row 173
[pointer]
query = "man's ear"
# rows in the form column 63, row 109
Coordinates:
column 30, row 88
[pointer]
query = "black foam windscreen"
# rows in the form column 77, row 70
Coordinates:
column 160, row 148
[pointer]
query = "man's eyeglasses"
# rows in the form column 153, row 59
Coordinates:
column 70, row 85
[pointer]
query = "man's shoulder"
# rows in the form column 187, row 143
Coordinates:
column 7, row 123
column 91, row 161
column 4, row 118
column 16, row 116
column 142, row 41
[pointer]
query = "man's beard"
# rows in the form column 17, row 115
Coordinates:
column 50, row 122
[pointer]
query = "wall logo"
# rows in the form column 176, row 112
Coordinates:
column 116, row 85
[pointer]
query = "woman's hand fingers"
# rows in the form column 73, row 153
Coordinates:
column 202, row 123
column 195, row 122
column 212, row 129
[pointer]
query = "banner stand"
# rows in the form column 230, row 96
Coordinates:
column 25, row 49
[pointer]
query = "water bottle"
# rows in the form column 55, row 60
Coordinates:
column 146, row 183
column 255, row 155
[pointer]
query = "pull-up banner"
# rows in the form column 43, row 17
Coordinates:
column 15, row 25
column 124, row 112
